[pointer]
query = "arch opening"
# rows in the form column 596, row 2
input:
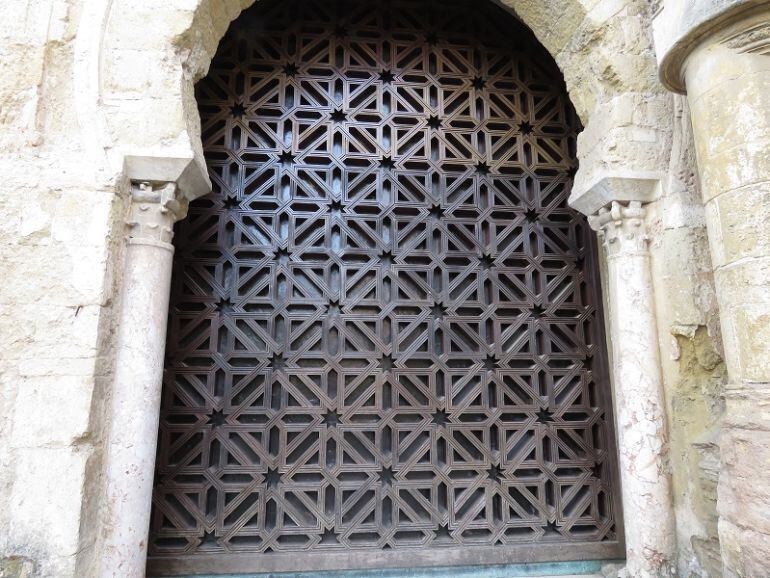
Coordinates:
column 385, row 334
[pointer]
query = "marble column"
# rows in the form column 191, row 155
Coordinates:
column 135, row 403
column 728, row 87
column 639, row 404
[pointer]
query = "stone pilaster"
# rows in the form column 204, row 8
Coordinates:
column 135, row 404
column 639, row 403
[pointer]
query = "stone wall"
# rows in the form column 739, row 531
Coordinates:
column 690, row 342
column 88, row 82
column 59, row 245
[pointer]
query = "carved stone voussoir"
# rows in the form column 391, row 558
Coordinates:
column 621, row 226
column 155, row 207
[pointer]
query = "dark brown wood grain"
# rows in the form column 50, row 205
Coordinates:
column 384, row 339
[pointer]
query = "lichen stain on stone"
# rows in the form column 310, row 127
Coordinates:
column 697, row 408
column 16, row 567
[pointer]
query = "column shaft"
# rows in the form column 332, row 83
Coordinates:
column 639, row 403
column 135, row 404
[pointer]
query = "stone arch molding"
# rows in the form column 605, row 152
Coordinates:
column 138, row 62
column 136, row 66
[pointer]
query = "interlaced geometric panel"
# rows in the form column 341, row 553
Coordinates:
column 384, row 331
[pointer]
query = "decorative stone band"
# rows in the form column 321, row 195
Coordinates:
column 681, row 27
column 622, row 227
column 754, row 40
column 655, row 7
column 154, row 210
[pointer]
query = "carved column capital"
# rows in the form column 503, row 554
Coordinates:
column 155, row 207
column 622, row 227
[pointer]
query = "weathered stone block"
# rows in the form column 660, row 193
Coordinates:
column 41, row 402
column 45, row 501
column 60, row 275
column 738, row 224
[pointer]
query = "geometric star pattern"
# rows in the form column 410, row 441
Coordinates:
column 384, row 331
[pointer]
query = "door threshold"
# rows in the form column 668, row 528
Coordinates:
column 576, row 569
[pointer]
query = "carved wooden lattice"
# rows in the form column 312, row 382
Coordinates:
column 383, row 333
